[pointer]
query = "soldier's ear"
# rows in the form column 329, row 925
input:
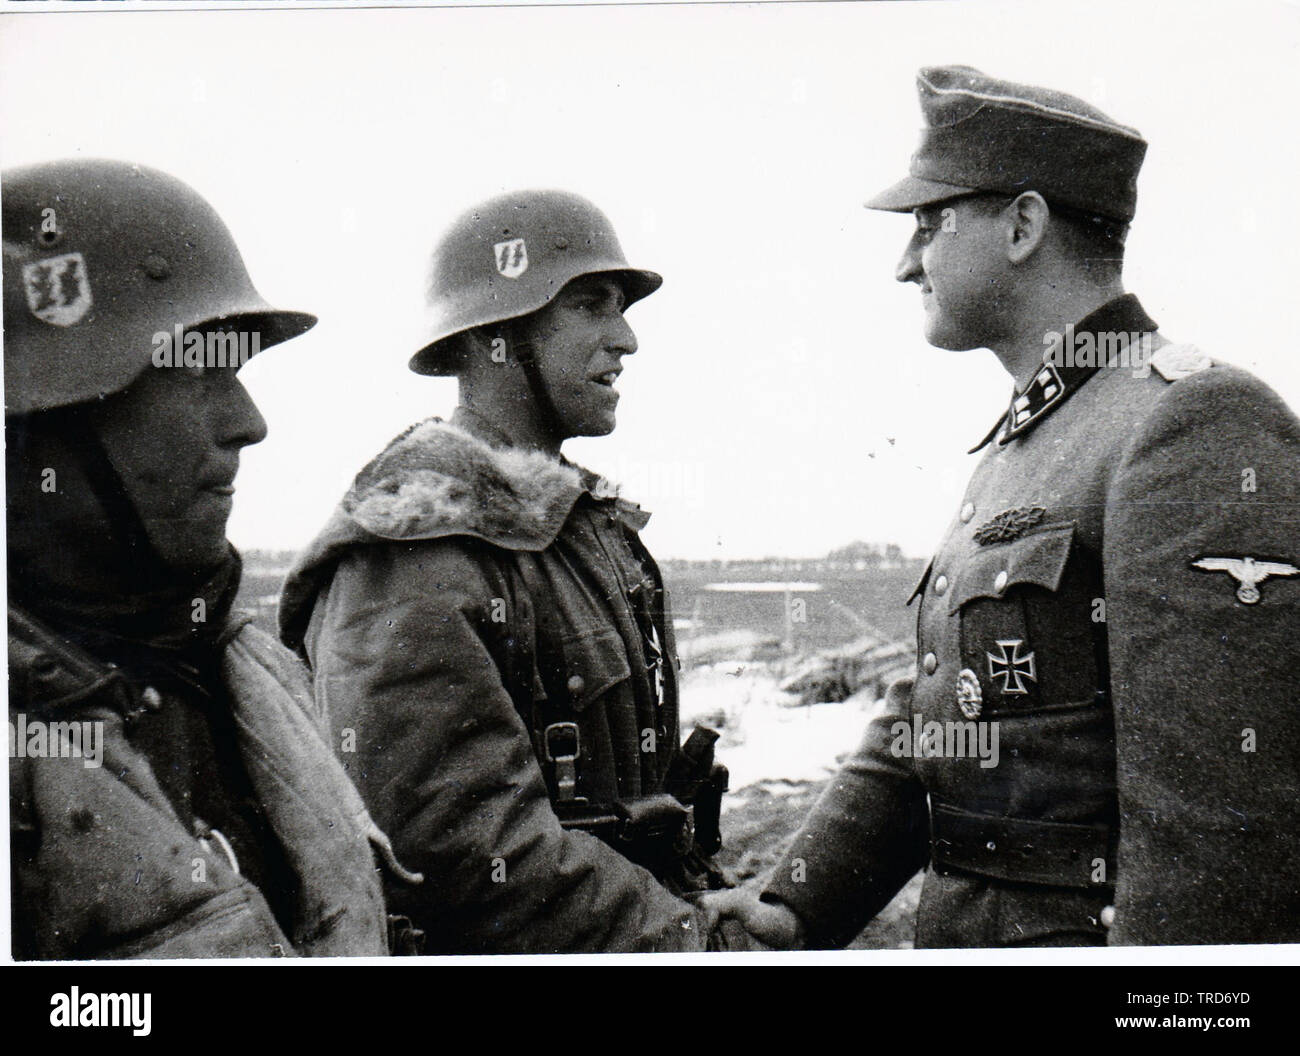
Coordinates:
column 473, row 342
column 484, row 347
column 1028, row 217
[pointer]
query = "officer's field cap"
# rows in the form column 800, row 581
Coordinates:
column 982, row 134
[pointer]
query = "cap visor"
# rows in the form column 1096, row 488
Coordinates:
column 912, row 192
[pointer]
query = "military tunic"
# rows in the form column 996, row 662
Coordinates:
column 1145, row 702
column 482, row 621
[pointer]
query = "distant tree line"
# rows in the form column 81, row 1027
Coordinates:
column 855, row 555
column 868, row 554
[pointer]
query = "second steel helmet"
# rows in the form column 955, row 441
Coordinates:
column 509, row 257
column 100, row 256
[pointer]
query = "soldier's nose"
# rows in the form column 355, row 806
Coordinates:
column 245, row 424
column 622, row 339
column 909, row 265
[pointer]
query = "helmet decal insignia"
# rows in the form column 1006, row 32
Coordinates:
column 511, row 257
column 58, row 289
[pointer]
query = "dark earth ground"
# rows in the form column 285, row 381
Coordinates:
column 758, row 825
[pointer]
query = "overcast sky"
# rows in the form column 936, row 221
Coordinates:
column 784, row 400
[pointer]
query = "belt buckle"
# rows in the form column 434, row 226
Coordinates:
column 565, row 762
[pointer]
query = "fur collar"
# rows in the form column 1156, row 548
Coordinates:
column 437, row 479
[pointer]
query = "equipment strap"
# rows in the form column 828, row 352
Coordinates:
column 55, row 673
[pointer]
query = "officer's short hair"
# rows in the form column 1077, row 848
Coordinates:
column 1095, row 241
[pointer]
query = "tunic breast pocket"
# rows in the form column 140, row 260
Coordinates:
column 594, row 663
column 1027, row 637
column 584, row 740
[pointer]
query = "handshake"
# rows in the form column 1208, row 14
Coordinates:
column 739, row 921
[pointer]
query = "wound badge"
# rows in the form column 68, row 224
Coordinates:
column 970, row 698
column 1008, row 525
column 58, row 289
column 1248, row 573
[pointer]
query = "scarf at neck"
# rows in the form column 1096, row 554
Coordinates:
column 169, row 634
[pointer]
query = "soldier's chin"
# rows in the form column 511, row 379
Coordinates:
column 939, row 335
column 597, row 425
column 200, row 549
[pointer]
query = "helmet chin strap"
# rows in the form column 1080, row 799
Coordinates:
column 124, row 519
column 526, row 355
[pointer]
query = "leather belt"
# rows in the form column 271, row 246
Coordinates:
column 1057, row 854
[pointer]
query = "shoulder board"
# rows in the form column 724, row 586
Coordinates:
column 1173, row 362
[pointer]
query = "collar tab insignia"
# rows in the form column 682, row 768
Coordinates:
column 1057, row 379
column 1043, row 393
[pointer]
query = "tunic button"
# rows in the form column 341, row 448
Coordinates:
column 967, row 512
column 930, row 663
column 577, row 685
column 1000, row 580
column 1108, row 917
column 941, row 584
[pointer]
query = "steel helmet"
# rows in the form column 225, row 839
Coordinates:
column 509, row 257
column 99, row 256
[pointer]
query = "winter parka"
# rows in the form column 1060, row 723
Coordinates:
column 465, row 598
column 103, row 867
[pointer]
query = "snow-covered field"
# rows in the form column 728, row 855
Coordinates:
column 768, row 739
column 780, row 755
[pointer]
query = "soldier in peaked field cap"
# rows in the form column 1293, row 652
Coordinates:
column 171, row 791
column 482, row 616
column 987, row 135
column 1118, row 590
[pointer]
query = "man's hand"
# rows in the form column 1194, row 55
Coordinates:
column 732, row 915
